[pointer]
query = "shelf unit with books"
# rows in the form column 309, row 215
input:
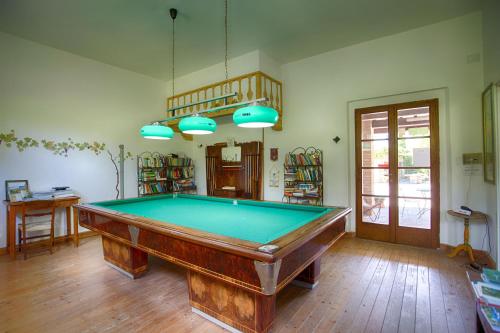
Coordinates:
column 151, row 174
column 485, row 289
column 180, row 171
column 161, row 174
column 303, row 176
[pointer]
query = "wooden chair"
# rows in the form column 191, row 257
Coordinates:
column 36, row 229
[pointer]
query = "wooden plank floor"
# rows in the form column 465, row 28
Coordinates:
column 365, row 286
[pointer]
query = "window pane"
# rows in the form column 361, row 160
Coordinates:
column 413, row 122
column 374, row 126
column 376, row 210
column 414, row 152
column 415, row 213
column 375, row 181
column 375, row 153
column 415, row 183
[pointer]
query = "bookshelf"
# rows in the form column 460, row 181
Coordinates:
column 161, row 174
column 180, row 172
column 303, row 176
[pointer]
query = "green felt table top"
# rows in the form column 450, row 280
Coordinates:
column 255, row 221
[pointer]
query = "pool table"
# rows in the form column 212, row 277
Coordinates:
column 238, row 253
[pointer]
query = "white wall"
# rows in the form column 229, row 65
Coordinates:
column 243, row 64
column 431, row 57
column 51, row 94
column 317, row 91
column 491, row 56
column 491, row 36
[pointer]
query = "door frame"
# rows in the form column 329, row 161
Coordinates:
column 393, row 232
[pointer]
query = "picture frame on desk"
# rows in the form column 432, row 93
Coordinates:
column 16, row 190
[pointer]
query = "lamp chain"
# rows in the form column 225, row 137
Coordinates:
column 226, row 29
column 173, row 58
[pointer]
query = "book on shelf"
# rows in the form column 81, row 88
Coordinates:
column 152, row 188
column 183, row 185
column 492, row 315
column 150, row 162
column 303, row 159
column 179, row 161
column 151, row 175
column 491, row 276
column 177, row 172
column 487, row 293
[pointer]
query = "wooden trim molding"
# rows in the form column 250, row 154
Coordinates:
column 59, row 239
column 248, row 87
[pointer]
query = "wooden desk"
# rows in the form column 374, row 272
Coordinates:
column 466, row 245
column 14, row 208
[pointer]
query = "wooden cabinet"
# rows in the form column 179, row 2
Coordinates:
column 219, row 192
column 243, row 175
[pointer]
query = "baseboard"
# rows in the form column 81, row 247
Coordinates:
column 58, row 239
column 485, row 257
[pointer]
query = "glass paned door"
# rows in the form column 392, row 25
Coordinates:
column 397, row 168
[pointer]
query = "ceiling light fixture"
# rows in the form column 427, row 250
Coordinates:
column 197, row 125
column 255, row 116
column 157, row 132
column 248, row 114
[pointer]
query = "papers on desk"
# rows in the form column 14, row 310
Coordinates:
column 41, row 195
column 49, row 195
column 63, row 194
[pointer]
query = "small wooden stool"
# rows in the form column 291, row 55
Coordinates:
column 466, row 247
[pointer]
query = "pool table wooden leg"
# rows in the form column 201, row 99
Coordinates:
column 309, row 277
column 126, row 259
column 240, row 309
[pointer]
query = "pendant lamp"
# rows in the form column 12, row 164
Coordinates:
column 157, row 131
column 197, row 125
column 255, row 116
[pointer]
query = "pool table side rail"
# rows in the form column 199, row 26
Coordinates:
column 233, row 245
column 282, row 245
column 230, row 201
column 293, row 240
column 226, row 262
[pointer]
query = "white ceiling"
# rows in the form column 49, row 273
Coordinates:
column 136, row 34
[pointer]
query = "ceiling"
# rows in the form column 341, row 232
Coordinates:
column 136, row 34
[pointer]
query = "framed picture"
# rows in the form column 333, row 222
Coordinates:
column 489, row 135
column 16, row 190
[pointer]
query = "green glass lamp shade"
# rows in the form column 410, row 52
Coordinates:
column 197, row 125
column 158, row 132
column 255, row 116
